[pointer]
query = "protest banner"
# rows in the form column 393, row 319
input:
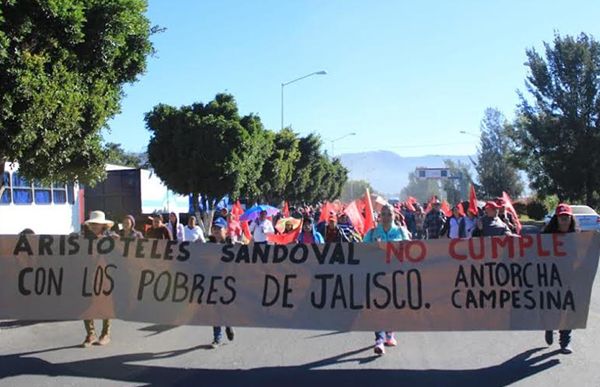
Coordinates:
column 533, row 282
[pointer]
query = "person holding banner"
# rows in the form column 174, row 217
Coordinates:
column 561, row 222
column 219, row 235
column 490, row 224
column 419, row 216
column 95, row 227
column 434, row 221
column 158, row 230
column 192, row 232
column 506, row 216
column 453, row 224
column 129, row 230
column 175, row 227
column 386, row 231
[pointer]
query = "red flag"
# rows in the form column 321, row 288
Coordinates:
column 510, row 208
column 285, row 238
column 355, row 216
column 246, row 230
column 446, row 209
column 237, row 210
column 430, row 203
column 286, row 210
column 472, row 201
column 337, row 206
column 369, row 221
column 461, row 209
column 325, row 210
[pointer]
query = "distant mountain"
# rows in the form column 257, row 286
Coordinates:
column 388, row 171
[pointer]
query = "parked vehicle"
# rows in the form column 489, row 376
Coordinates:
column 587, row 219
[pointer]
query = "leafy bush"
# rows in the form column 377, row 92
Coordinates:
column 520, row 207
column 536, row 209
column 551, row 202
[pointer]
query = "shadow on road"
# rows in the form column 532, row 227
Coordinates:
column 158, row 328
column 121, row 368
column 23, row 323
column 328, row 334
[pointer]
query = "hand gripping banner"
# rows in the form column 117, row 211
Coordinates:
column 534, row 282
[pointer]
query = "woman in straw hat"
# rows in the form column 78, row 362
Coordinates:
column 97, row 226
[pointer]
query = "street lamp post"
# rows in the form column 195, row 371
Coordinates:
column 283, row 84
column 337, row 139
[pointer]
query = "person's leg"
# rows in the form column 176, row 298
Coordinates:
column 565, row 342
column 90, row 337
column 229, row 333
column 549, row 337
column 390, row 340
column 379, row 342
column 105, row 336
column 217, row 336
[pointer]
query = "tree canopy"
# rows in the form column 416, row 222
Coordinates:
column 557, row 132
column 115, row 154
column 495, row 171
column 457, row 188
column 207, row 149
column 62, row 68
column 210, row 150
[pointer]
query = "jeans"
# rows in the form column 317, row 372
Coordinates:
column 218, row 333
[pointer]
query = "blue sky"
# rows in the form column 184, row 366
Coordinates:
column 406, row 76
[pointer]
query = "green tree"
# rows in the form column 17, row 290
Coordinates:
column 495, row 170
column 457, row 188
column 62, row 68
column 333, row 176
column 117, row 155
column 557, row 134
column 207, row 150
column 303, row 180
column 421, row 189
column 278, row 170
column 315, row 176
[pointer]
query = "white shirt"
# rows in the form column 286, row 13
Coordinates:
column 179, row 233
column 193, row 234
column 260, row 230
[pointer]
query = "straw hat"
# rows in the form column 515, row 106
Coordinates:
column 98, row 217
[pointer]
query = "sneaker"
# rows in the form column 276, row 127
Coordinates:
column 566, row 350
column 89, row 341
column 215, row 344
column 104, row 339
column 379, row 349
column 549, row 336
column 390, row 341
column 229, row 333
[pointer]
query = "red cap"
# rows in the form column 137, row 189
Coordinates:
column 492, row 204
column 563, row 209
